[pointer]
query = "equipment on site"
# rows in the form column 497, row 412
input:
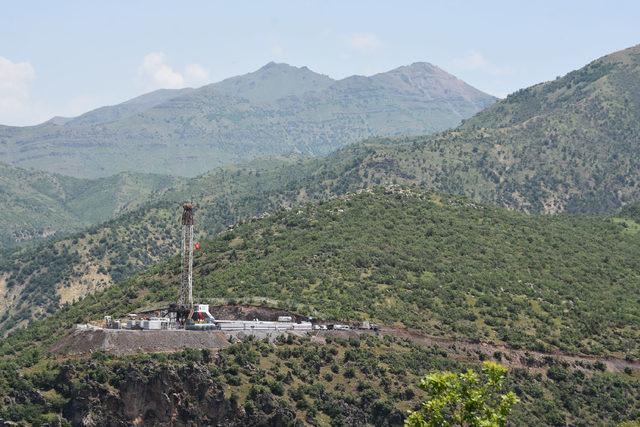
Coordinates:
column 201, row 319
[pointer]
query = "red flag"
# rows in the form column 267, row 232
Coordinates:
column 197, row 246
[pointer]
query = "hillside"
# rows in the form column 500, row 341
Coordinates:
column 567, row 145
column 479, row 163
column 442, row 264
column 278, row 109
column 38, row 204
column 35, row 280
column 570, row 145
column 436, row 263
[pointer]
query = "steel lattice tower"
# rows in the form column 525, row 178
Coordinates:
column 186, row 288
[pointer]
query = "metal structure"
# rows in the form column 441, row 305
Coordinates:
column 184, row 306
column 186, row 281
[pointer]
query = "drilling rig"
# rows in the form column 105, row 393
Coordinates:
column 187, row 314
column 184, row 307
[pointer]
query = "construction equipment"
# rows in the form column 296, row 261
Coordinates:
column 200, row 319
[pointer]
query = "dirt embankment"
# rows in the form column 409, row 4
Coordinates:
column 129, row 342
column 123, row 341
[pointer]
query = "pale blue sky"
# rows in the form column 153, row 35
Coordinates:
column 65, row 57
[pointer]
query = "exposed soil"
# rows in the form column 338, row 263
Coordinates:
column 123, row 341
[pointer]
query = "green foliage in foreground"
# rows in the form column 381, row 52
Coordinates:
column 465, row 399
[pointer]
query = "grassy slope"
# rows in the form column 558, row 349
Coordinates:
column 39, row 204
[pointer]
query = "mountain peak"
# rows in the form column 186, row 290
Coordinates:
column 275, row 66
column 283, row 67
column 421, row 70
column 419, row 66
column 432, row 81
column 273, row 81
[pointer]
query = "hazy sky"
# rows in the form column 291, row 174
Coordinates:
column 66, row 57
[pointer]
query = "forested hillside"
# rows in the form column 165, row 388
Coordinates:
column 496, row 165
column 445, row 265
column 433, row 262
column 440, row 264
column 567, row 145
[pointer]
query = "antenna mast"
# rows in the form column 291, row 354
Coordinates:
column 186, row 288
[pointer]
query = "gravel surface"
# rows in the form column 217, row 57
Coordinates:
column 123, row 341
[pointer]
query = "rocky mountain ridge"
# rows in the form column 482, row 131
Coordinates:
column 278, row 109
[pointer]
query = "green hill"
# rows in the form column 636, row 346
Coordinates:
column 443, row 264
column 276, row 110
column 38, row 204
column 496, row 165
column 567, row 145
column 432, row 262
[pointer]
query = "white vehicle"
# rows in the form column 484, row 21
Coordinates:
column 341, row 327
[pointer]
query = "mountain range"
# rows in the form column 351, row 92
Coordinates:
column 278, row 109
column 516, row 231
column 570, row 145
column 492, row 158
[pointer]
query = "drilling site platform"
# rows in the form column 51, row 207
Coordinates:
column 186, row 315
